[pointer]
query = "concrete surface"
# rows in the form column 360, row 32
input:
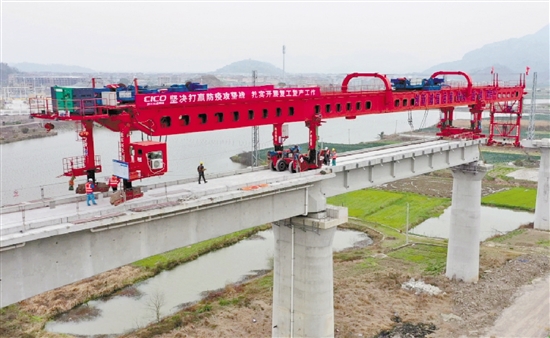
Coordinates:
column 542, row 208
column 303, row 295
column 464, row 235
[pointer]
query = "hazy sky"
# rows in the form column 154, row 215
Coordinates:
column 320, row 37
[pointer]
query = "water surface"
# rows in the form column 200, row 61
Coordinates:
column 494, row 221
column 185, row 284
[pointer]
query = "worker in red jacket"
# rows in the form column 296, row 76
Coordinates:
column 90, row 192
column 113, row 182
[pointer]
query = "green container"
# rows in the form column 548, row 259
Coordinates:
column 63, row 99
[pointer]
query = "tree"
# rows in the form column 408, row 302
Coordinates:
column 155, row 302
column 5, row 72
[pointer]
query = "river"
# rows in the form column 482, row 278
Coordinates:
column 184, row 284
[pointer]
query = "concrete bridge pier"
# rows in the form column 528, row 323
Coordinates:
column 303, row 304
column 542, row 207
column 464, row 236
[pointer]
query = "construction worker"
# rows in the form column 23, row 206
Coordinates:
column 201, row 170
column 113, row 182
column 71, row 183
column 333, row 153
column 90, row 192
column 328, row 156
column 295, row 150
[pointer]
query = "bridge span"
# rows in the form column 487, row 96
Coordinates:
column 50, row 243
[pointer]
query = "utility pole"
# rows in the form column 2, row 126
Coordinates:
column 407, row 229
column 255, row 131
column 531, row 130
column 284, row 52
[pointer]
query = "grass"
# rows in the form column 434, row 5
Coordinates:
column 430, row 258
column 171, row 259
column 12, row 319
column 369, row 263
column 386, row 212
column 506, row 236
column 390, row 208
column 263, row 283
column 500, row 171
column 231, row 301
column 362, row 203
column 351, row 255
column 493, row 157
column 515, row 198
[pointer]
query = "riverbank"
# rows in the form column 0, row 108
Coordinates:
column 14, row 128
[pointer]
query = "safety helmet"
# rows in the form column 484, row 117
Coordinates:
column 90, row 180
column 333, row 149
column 201, row 163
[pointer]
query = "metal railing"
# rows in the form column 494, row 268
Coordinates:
column 64, row 107
column 78, row 162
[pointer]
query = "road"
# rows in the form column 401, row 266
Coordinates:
column 528, row 316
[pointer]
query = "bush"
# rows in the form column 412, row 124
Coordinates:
column 24, row 130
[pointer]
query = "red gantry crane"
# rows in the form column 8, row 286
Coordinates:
column 192, row 107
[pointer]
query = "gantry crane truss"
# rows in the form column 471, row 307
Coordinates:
column 171, row 113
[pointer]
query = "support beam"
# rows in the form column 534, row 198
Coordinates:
column 542, row 208
column 463, row 247
column 303, row 303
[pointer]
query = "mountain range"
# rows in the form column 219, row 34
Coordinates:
column 52, row 68
column 508, row 58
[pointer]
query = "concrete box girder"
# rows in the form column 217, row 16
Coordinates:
column 108, row 242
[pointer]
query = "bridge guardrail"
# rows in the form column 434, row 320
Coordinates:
column 168, row 197
column 54, row 201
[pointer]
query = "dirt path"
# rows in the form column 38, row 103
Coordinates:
column 529, row 316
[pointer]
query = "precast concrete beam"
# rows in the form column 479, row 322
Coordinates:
column 356, row 172
column 542, row 207
column 303, row 293
column 464, row 236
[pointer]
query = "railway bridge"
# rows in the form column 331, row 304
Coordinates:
column 51, row 243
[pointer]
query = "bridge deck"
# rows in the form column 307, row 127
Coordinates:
column 30, row 221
